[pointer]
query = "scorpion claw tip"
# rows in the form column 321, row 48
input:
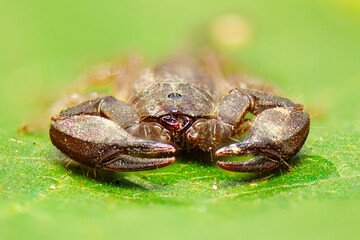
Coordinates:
column 256, row 164
column 230, row 150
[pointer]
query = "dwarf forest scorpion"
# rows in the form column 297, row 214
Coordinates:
column 182, row 105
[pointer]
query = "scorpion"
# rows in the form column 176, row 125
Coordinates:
column 182, row 104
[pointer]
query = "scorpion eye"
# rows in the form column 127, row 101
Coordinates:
column 174, row 95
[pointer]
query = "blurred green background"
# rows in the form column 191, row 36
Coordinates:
column 311, row 49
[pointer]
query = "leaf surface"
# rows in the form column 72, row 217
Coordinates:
column 309, row 48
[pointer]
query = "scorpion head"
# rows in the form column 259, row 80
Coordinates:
column 174, row 99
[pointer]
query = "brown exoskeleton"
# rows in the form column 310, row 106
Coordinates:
column 181, row 105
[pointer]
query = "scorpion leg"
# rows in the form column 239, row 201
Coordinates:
column 277, row 134
column 93, row 133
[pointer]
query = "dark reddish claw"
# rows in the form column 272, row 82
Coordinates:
column 276, row 136
column 130, row 164
column 225, row 152
column 99, row 142
column 252, row 165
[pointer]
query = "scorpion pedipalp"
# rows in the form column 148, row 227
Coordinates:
column 98, row 142
column 276, row 136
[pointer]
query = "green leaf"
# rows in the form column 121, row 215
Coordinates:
column 309, row 48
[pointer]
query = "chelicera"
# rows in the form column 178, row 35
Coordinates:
column 182, row 105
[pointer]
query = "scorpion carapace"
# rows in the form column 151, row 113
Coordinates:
column 181, row 105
